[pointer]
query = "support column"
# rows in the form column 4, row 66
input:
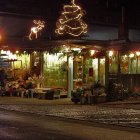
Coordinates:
column 42, row 69
column 119, row 68
column 106, row 71
column 98, row 68
column 70, row 76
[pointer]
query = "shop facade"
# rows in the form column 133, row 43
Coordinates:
column 70, row 67
column 124, row 66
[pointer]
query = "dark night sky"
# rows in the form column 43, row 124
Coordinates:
column 106, row 12
column 52, row 8
column 97, row 11
column 41, row 7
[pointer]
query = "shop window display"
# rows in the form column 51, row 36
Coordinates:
column 113, row 62
column 95, row 70
column 124, row 65
column 132, row 66
column 55, row 70
column 102, row 71
column 36, row 63
column 138, row 65
column 78, row 71
column 91, row 70
column 16, row 65
column 130, row 63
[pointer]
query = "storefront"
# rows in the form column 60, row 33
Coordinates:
column 82, row 65
column 89, row 67
column 16, row 64
column 130, row 70
column 124, row 67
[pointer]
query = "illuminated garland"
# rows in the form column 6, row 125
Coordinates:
column 39, row 25
column 70, row 21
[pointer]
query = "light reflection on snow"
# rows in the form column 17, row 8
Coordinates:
column 117, row 116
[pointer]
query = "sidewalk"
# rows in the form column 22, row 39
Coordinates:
column 61, row 101
column 34, row 101
column 130, row 100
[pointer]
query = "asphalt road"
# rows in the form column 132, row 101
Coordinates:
column 24, row 126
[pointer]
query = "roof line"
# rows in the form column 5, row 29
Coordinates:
column 20, row 15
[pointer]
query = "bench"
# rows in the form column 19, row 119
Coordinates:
column 47, row 93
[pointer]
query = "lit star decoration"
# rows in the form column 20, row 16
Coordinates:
column 70, row 21
column 39, row 25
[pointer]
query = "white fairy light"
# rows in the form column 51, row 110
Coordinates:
column 70, row 21
column 39, row 25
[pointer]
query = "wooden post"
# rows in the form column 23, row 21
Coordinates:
column 70, row 76
column 106, row 71
column 99, row 69
column 42, row 68
column 137, row 65
column 119, row 67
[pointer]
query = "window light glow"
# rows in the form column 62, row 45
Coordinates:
column 138, row 53
column 54, row 59
column 3, row 52
column 8, row 52
column 76, row 49
column 92, row 52
column 95, row 63
column 111, row 53
column 12, row 56
column 67, row 49
column 125, row 56
column 131, row 55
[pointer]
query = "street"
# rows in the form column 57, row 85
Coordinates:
column 127, row 115
column 24, row 126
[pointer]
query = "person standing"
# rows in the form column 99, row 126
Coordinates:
column 3, row 78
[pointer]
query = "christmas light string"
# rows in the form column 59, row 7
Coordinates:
column 39, row 25
column 70, row 21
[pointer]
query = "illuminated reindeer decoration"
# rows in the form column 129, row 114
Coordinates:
column 34, row 30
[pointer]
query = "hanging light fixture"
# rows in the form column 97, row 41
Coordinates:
column 111, row 53
column 92, row 52
column 138, row 53
column 131, row 55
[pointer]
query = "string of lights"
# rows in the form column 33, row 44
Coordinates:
column 39, row 25
column 70, row 22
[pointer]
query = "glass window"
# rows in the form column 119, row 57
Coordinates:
column 138, row 65
column 124, row 64
column 91, row 70
column 130, row 63
column 113, row 62
column 55, row 70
